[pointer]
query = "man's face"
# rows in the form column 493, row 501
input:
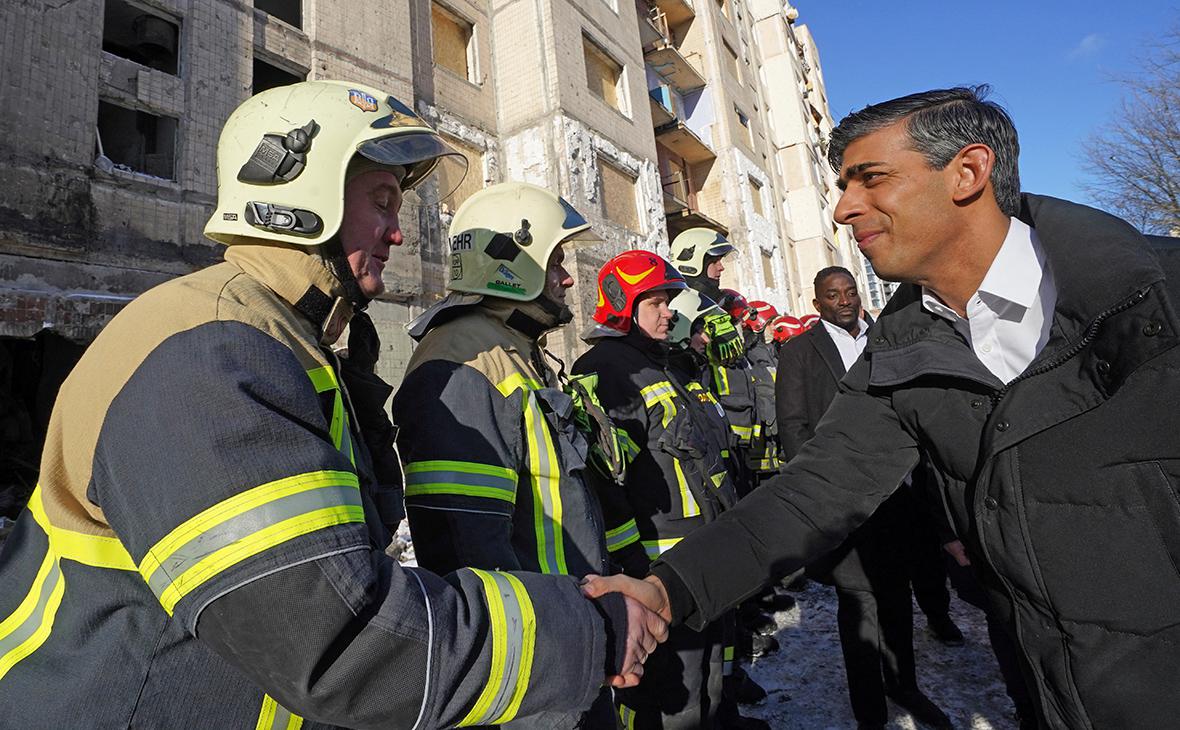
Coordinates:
column 713, row 268
column 901, row 210
column 699, row 340
column 652, row 315
column 837, row 301
column 557, row 279
column 370, row 226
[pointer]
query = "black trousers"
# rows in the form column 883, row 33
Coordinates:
column 682, row 683
column 877, row 640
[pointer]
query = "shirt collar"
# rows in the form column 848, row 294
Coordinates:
column 1014, row 276
column 837, row 330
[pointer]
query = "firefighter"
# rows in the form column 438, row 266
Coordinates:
column 783, row 328
column 678, row 481
column 496, row 465
column 203, row 549
column 698, row 254
column 758, row 321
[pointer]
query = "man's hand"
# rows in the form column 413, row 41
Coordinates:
column 647, row 625
column 957, row 551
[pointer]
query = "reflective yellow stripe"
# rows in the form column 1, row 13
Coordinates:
column 274, row 716
column 207, row 544
column 656, row 548
column 664, row 394
column 720, row 380
column 515, row 381
column 689, row 505
column 462, row 478
column 627, row 715
column 513, row 629
column 94, row 550
column 27, row 628
column 324, row 379
column 630, row 448
column 545, row 479
column 622, row 536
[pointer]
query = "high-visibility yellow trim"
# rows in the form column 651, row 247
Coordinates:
column 467, row 467
column 48, row 573
column 274, row 716
column 656, row 548
column 688, row 503
column 515, row 381
column 256, row 543
column 545, row 479
column 664, row 394
column 323, row 378
column 462, row 490
column 622, row 536
column 527, row 650
column 627, row 715
column 94, row 550
column 720, row 380
column 499, row 630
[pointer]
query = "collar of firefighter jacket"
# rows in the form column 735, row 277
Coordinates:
column 300, row 278
column 530, row 319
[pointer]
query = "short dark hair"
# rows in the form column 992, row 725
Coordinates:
column 940, row 123
column 824, row 273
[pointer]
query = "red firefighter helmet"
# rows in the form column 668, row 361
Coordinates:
column 763, row 313
column 784, row 327
column 735, row 305
column 622, row 279
column 809, row 320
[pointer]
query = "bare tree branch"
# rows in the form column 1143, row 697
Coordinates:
column 1134, row 160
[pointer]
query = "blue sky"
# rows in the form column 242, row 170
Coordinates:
column 1050, row 63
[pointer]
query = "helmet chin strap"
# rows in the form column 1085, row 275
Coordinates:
column 561, row 313
column 332, row 253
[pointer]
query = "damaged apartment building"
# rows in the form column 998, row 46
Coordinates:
column 650, row 116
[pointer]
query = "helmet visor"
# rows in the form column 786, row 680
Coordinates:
column 719, row 250
column 421, row 153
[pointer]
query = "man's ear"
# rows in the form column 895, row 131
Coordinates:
column 972, row 169
column 815, row 303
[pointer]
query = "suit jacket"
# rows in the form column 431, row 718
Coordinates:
column 809, row 373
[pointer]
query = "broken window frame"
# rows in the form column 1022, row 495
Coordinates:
column 298, row 7
column 106, row 163
column 591, row 47
column 120, row 50
column 471, row 72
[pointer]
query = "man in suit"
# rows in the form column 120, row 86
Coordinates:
column 869, row 570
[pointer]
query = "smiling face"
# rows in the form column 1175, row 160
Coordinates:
column 652, row 315
column 902, row 211
column 370, row 226
column 837, row 301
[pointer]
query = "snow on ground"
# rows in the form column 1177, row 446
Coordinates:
column 807, row 688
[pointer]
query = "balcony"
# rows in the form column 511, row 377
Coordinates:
column 663, row 104
column 677, row 11
column 677, row 194
column 651, row 23
column 681, row 140
column 667, row 61
column 681, row 221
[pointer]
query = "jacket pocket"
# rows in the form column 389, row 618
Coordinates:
column 1158, row 483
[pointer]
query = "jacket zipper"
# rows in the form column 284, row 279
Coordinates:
column 1087, row 338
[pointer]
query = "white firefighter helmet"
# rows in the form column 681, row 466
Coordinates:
column 283, row 155
column 502, row 236
column 688, row 305
column 690, row 248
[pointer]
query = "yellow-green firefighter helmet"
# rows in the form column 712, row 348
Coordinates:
column 502, row 236
column 283, row 154
column 690, row 248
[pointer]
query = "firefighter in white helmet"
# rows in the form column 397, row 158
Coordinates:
column 500, row 450
column 202, row 550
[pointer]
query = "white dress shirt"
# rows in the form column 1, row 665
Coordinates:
column 850, row 347
column 1009, row 317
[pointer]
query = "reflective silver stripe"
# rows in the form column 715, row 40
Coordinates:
column 545, row 477
column 236, row 528
column 515, row 635
column 442, row 476
column 35, row 619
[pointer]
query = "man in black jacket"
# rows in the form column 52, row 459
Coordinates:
column 870, row 570
column 1032, row 354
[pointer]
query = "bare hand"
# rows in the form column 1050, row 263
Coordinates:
column 958, row 552
column 645, row 628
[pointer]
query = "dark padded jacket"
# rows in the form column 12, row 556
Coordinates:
column 204, row 550
column 679, row 478
column 1064, row 484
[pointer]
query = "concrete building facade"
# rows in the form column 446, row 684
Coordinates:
column 649, row 116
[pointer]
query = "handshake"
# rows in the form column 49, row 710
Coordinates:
column 648, row 614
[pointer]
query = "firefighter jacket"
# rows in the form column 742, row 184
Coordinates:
column 679, row 477
column 495, row 466
column 745, row 391
column 202, row 550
